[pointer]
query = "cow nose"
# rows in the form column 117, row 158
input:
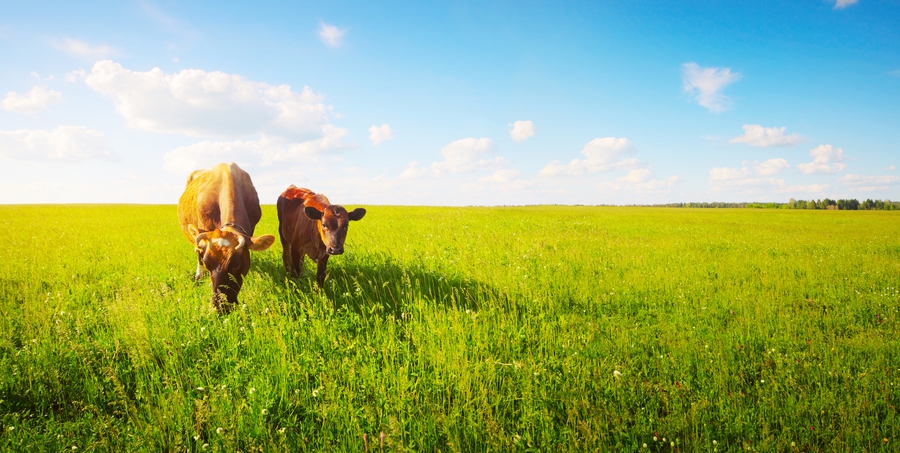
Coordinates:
column 335, row 250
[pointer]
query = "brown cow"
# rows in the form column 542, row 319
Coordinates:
column 310, row 225
column 218, row 212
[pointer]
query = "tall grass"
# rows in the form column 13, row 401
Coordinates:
column 458, row 329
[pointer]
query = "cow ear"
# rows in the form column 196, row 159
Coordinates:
column 313, row 213
column 260, row 243
column 357, row 214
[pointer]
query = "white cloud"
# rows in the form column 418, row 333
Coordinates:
column 841, row 4
column 826, row 160
column 83, row 50
column 729, row 174
column 331, row 35
column 639, row 180
column 637, row 175
column 35, row 101
column 75, row 76
column 771, row 166
column 521, row 130
column 210, row 104
column 466, row 155
column 892, row 167
column 414, row 171
column 750, row 181
column 38, row 76
column 63, row 144
column 756, row 135
column 250, row 153
column 601, row 154
column 503, row 175
column 707, row 84
column 378, row 134
column 870, row 183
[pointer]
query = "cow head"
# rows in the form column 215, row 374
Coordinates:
column 333, row 224
column 225, row 253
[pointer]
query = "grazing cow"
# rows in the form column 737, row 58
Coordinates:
column 218, row 212
column 310, row 225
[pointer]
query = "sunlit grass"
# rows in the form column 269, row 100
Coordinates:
column 458, row 329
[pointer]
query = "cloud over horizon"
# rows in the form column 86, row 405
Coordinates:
column 827, row 159
column 466, row 155
column 601, row 154
column 62, row 144
column 756, row 135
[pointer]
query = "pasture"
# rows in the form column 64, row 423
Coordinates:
column 458, row 329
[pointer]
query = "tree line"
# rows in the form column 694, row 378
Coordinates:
column 826, row 203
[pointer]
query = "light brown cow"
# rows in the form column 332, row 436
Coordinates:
column 218, row 212
column 310, row 225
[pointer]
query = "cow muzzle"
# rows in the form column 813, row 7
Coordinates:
column 334, row 250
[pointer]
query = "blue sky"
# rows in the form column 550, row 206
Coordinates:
column 453, row 103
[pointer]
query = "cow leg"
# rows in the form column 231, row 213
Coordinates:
column 200, row 271
column 297, row 262
column 287, row 258
column 320, row 274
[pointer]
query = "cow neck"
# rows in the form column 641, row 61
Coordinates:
column 231, row 205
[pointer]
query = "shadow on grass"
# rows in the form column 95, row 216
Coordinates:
column 387, row 285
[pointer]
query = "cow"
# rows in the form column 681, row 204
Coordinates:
column 310, row 225
column 218, row 213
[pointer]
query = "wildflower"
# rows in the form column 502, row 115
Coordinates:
column 515, row 438
column 12, row 428
column 654, row 439
column 196, row 437
column 672, row 444
column 281, row 431
column 762, row 381
column 200, row 389
column 219, row 430
column 264, row 411
column 617, row 374
column 714, row 442
column 204, row 446
column 793, row 444
column 645, row 445
column 315, row 393
column 252, row 390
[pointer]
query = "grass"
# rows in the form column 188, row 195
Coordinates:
column 458, row 329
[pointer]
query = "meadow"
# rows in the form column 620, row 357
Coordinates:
column 543, row 328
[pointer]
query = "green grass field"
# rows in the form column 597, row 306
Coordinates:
column 458, row 329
